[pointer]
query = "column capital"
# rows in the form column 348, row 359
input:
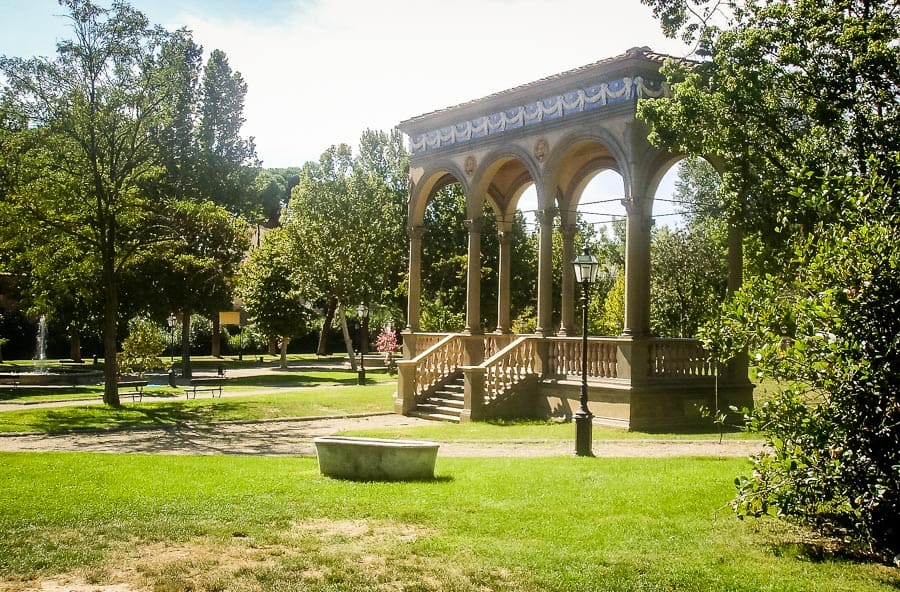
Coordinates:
column 568, row 230
column 475, row 224
column 505, row 237
column 545, row 216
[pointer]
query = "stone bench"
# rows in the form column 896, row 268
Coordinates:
column 375, row 459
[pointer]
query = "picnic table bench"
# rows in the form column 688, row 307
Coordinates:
column 136, row 386
column 211, row 384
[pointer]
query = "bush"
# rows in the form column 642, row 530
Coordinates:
column 142, row 349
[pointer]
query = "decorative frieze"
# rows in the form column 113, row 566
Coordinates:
column 571, row 102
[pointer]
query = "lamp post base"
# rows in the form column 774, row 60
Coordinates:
column 583, row 435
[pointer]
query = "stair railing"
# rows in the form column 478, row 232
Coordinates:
column 437, row 363
column 510, row 366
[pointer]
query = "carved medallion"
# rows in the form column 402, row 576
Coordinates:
column 469, row 165
column 541, row 149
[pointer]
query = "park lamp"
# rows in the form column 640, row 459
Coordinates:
column 171, row 322
column 362, row 311
column 587, row 270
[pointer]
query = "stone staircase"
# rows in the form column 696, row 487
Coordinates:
column 446, row 403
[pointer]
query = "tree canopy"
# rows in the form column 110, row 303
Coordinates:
column 800, row 101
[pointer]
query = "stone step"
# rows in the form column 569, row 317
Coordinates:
column 435, row 416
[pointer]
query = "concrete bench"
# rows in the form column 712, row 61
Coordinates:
column 211, row 385
column 375, row 459
column 135, row 388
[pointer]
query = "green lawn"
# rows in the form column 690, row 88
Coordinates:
column 175, row 523
column 313, row 401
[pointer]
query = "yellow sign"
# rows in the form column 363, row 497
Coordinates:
column 230, row 318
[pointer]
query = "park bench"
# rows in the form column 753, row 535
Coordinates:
column 205, row 384
column 135, row 388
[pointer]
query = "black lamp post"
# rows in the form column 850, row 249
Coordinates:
column 587, row 269
column 363, row 311
column 171, row 321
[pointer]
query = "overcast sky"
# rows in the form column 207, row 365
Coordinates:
column 321, row 72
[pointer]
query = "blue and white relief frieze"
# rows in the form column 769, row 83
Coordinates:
column 550, row 108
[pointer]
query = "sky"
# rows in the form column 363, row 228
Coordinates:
column 320, row 72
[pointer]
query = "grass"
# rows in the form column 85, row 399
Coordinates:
column 236, row 523
column 538, row 431
column 333, row 400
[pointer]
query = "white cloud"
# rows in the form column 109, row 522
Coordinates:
column 327, row 71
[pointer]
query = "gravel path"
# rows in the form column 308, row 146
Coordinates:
column 295, row 437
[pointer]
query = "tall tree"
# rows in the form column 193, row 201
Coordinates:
column 801, row 101
column 87, row 155
column 345, row 231
column 227, row 162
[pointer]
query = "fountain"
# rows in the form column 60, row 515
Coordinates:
column 40, row 361
column 40, row 374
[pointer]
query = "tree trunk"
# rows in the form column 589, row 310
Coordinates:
column 186, row 344
column 284, row 345
column 273, row 346
column 347, row 341
column 74, row 346
column 322, row 349
column 216, row 337
column 110, row 320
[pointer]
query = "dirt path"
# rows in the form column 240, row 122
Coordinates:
column 295, row 437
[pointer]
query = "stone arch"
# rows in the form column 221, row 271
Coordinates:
column 429, row 182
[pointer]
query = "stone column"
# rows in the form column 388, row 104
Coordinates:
column 473, row 278
column 637, row 268
column 545, row 273
column 567, row 325
column 414, row 303
column 504, row 236
column 739, row 367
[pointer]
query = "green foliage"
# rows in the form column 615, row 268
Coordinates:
column 688, row 275
column 606, row 315
column 274, row 301
column 142, row 349
column 438, row 317
column 250, row 338
column 87, row 158
column 799, row 101
column 344, row 231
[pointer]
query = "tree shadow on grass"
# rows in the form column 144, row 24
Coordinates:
column 290, row 380
column 128, row 416
column 21, row 392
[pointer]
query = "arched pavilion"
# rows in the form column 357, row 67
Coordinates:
column 557, row 133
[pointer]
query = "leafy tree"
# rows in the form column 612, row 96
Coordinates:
column 273, row 300
column 800, row 101
column 193, row 272
column 345, row 231
column 689, row 276
column 227, row 163
column 86, row 156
